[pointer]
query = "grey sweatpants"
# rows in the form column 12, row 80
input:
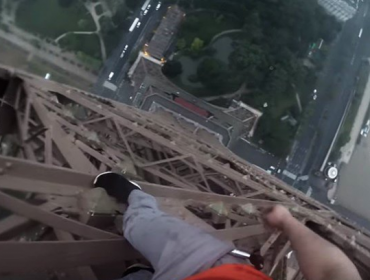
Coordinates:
column 175, row 249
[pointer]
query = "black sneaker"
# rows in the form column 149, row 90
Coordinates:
column 137, row 267
column 116, row 185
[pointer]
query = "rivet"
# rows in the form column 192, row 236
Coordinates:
column 2, row 171
column 8, row 165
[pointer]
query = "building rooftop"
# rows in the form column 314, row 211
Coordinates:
column 239, row 120
column 165, row 32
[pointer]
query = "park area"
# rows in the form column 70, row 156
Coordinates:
column 205, row 42
column 49, row 18
column 199, row 72
column 256, row 52
column 91, row 29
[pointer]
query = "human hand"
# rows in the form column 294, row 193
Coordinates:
column 277, row 217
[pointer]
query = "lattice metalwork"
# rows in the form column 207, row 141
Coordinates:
column 54, row 139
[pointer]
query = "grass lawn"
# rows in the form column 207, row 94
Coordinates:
column 99, row 10
column 204, row 26
column 88, row 44
column 47, row 18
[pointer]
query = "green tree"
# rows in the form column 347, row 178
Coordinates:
column 197, row 45
column 120, row 17
column 133, row 4
column 213, row 74
column 66, row 3
column 181, row 44
column 277, row 82
column 106, row 24
column 172, row 68
column 276, row 136
column 252, row 27
column 251, row 61
column 83, row 23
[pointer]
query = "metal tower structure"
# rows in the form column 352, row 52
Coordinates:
column 55, row 139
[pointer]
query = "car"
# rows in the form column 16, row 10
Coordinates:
column 145, row 12
column 123, row 53
column 315, row 91
column 149, row 6
column 138, row 24
column 111, row 74
column 364, row 133
column 126, row 47
column 158, row 6
column 314, row 97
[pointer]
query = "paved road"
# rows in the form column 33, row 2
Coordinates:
column 256, row 155
column 335, row 88
column 120, row 65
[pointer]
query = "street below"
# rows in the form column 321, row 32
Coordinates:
column 120, row 65
column 335, row 87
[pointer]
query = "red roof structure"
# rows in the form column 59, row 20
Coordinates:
column 192, row 107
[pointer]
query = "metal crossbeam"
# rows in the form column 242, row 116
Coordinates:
column 64, row 127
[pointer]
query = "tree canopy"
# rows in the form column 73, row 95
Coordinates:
column 133, row 4
column 172, row 68
column 66, row 3
column 197, row 45
column 214, row 75
column 268, row 57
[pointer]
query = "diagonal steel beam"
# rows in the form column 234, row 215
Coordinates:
column 163, row 161
column 23, row 257
column 75, row 158
column 14, row 224
column 50, row 219
column 84, row 272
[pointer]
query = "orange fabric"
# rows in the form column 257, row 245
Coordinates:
column 230, row 272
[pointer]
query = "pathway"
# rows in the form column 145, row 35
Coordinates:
column 242, row 90
column 91, row 8
column 74, row 32
column 226, row 32
column 8, row 15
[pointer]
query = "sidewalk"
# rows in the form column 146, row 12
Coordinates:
column 347, row 150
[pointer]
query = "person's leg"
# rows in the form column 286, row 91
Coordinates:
column 175, row 249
